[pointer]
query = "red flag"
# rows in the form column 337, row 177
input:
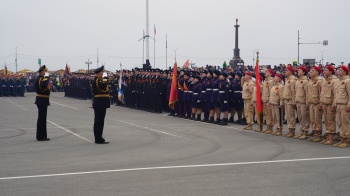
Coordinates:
column 259, row 105
column 67, row 70
column 174, row 97
column 187, row 63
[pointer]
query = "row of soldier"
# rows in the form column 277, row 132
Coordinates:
column 12, row 85
column 312, row 98
column 216, row 95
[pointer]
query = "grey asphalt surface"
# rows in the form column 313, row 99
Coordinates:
column 146, row 154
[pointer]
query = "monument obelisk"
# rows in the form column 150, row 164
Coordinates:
column 236, row 61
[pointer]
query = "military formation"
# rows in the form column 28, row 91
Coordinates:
column 306, row 95
column 12, row 85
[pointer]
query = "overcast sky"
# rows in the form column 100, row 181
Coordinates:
column 60, row 31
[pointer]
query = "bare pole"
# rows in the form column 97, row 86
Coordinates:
column 298, row 45
column 166, row 51
column 16, row 59
column 147, row 34
column 97, row 57
column 154, row 42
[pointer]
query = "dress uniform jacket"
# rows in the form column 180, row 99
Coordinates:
column 342, row 100
column 42, row 88
column 101, row 93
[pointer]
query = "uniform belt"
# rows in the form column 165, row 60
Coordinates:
column 190, row 91
column 209, row 89
column 215, row 89
column 102, row 95
column 221, row 91
column 230, row 91
column 44, row 96
column 203, row 91
column 195, row 93
column 238, row 91
column 186, row 91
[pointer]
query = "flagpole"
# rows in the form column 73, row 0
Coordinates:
column 154, row 42
column 166, row 51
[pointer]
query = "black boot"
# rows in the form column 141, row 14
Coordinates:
column 238, row 121
column 231, row 120
column 204, row 120
column 217, row 121
column 211, row 120
column 193, row 117
column 224, row 122
column 198, row 117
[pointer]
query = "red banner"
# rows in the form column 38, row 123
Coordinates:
column 174, row 97
column 259, row 104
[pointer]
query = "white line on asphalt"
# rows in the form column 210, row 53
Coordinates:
column 174, row 167
column 15, row 104
column 64, row 105
column 152, row 129
column 166, row 133
column 59, row 127
column 81, row 137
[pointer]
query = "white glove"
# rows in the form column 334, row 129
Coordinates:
column 46, row 74
column 225, row 101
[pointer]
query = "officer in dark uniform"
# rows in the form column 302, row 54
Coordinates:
column 42, row 101
column 100, row 104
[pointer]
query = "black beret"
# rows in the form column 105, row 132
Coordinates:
column 217, row 72
column 224, row 74
column 157, row 70
column 211, row 72
column 166, row 71
column 198, row 77
column 232, row 74
column 205, row 71
column 42, row 68
column 239, row 74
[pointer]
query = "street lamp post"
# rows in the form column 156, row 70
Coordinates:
column 88, row 62
column 325, row 43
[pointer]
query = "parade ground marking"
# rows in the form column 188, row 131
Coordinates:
column 64, row 105
column 174, row 167
column 15, row 104
column 166, row 133
column 81, row 137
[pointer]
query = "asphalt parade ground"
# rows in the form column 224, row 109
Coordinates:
column 153, row 154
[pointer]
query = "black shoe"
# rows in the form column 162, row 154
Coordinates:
column 243, row 123
column 204, row 120
column 171, row 114
column 47, row 139
column 231, row 120
column 285, row 122
column 238, row 121
column 104, row 142
column 217, row 121
column 297, row 120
